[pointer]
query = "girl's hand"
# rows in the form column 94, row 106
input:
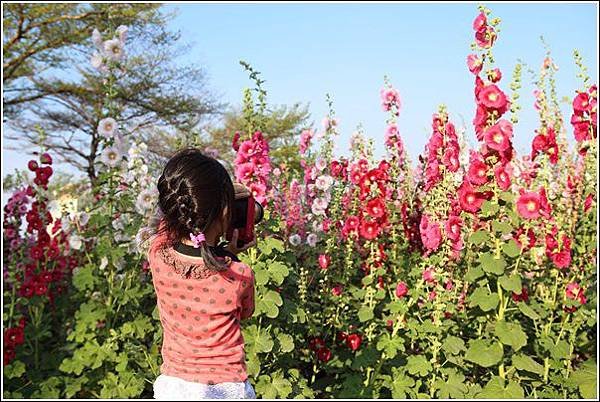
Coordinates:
column 232, row 246
column 241, row 191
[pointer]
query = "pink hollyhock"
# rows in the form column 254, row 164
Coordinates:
column 480, row 121
column 528, row 205
column 495, row 75
column 352, row 222
column 477, row 173
column 502, row 177
column 538, row 145
column 376, row 208
column 545, row 208
column 369, row 229
column 469, row 199
column 258, row 190
column 485, row 37
column 493, row 98
column 474, row 63
column 431, row 235
column 498, row 136
column 453, row 227
column 324, row 261
column 337, row 290
column 450, row 159
column 235, row 144
column 428, row 275
column 479, row 22
column 245, row 171
column 431, row 296
column 401, row 290
column 575, row 292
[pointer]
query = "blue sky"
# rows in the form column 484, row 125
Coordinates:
column 307, row 50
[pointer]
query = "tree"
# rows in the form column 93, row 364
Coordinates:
column 50, row 86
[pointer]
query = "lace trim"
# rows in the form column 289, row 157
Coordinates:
column 187, row 269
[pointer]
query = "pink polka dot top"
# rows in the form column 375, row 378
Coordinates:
column 200, row 311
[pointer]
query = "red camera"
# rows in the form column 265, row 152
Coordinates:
column 246, row 213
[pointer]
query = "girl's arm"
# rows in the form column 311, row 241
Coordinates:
column 248, row 298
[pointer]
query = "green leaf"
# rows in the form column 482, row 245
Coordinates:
column 512, row 283
column 528, row 311
column 390, row 345
column 511, row 248
column 453, row 345
column 365, row 314
column 483, row 354
column 492, row 265
column 495, row 389
column 526, row 363
column 401, row 385
column 286, row 343
column 14, row 370
column 585, row 378
column 474, row 273
column 484, row 299
column 489, row 208
column 502, row 227
column 479, row 237
column 84, row 278
column 418, row 365
column 560, row 350
column 261, row 276
column 278, row 272
column 453, row 387
column 511, row 334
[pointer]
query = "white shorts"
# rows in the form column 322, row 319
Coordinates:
column 175, row 389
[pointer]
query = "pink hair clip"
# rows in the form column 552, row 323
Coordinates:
column 197, row 239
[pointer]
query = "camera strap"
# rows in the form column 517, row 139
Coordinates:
column 191, row 251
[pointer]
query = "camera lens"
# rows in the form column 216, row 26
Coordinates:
column 258, row 212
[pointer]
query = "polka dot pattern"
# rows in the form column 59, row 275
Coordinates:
column 202, row 338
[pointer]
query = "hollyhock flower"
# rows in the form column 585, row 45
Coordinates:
column 479, row 22
column 324, row 182
column 428, row 275
column 107, row 127
column 321, row 164
column 36, row 253
column 324, row 354
column 122, row 32
column 575, row 292
column 40, row 288
column 480, row 122
column 493, row 98
column 390, row 98
column 450, row 159
column 469, row 199
column 477, row 173
column 401, row 290
column 523, row 296
column 324, row 261
column 244, row 171
column 495, row 75
column 295, row 240
column 337, row 290
column 146, row 200
column 32, row 165
column 258, row 191
column 587, row 204
column 431, row 234
column 235, row 143
column 352, row 222
column 305, row 138
column 376, row 208
column 474, row 63
column 113, row 49
column 141, row 238
column 498, row 136
column 562, row 259
column 369, row 230
column 97, row 39
column 97, row 61
column 485, row 37
column 581, row 102
column 502, row 177
column 316, row 344
column 528, row 205
column 111, row 156
column 14, row 336
column 431, row 296
column 319, row 206
column 311, row 240
column 453, row 227
column 353, row 341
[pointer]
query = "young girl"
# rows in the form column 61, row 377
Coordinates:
column 202, row 289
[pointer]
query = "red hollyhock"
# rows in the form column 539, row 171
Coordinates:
column 324, row 354
column 485, row 37
column 469, row 199
column 337, row 290
column 479, row 22
column 581, row 102
column 32, row 165
column 453, row 226
column 477, row 173
column 498, row 136
column 521, row 297
column 376, row 208
column 369, row 229
column 502, row 177
column 316, row 343
column 14, row 336
column 495, row 75
column 46, row 159
column 353, row 341
column 450, row 159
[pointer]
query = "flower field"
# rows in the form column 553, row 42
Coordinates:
column 464, row 273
